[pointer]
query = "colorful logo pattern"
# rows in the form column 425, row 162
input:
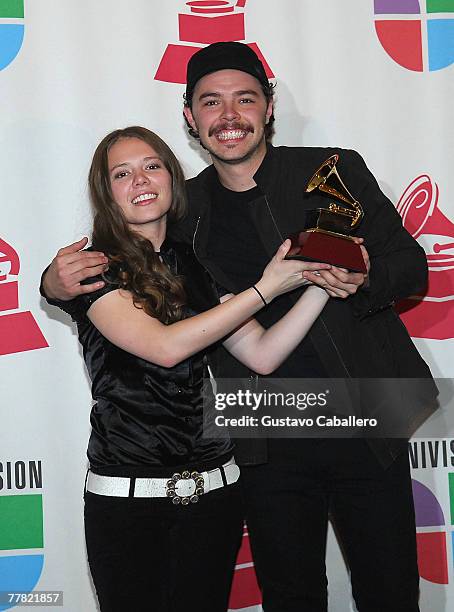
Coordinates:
column 417, row 34
column 204, row 22
column 433, row 532
column 18, row 330
column 21, row 531
column 11, row 30
column 430, row 315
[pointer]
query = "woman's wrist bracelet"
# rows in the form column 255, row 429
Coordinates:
column 261, row 296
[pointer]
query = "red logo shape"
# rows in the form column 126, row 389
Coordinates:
column 18, row 330
column 433, row 557
column 430, row 315
column 203, row 23
column 402, row 40
column 245, row 590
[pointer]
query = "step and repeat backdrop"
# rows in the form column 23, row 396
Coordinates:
column 376, row 76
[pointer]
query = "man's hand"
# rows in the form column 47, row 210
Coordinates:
column 69, row 267
column 338, row 282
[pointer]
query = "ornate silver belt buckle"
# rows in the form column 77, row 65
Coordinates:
column 190, row 496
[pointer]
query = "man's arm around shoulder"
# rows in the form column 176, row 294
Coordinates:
column 71, row 265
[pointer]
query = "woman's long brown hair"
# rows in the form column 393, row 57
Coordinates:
column 153, row 286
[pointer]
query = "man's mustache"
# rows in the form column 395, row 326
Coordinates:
column 235, row 125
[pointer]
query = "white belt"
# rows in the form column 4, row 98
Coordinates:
column 180, row 488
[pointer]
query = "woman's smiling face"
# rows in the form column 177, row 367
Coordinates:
column 141, row 184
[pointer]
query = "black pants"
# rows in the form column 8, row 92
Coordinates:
column 149, row 555
column 288, row 502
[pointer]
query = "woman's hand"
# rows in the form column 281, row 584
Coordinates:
column 282, row 275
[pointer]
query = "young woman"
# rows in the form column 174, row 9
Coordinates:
column 163, row 517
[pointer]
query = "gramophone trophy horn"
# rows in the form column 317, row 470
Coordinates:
column 326, row 235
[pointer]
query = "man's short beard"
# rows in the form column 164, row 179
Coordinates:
column 235, row 161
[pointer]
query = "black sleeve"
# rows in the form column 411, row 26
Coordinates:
column 78, row 306
column 69, row 306
column 221, row 291
column 398, row 264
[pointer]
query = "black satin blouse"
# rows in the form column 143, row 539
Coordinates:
column 147, row 418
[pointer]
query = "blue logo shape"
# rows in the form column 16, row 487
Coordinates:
column 11, row 30
column 11, row 38
column 19, row 574
column 440, row 33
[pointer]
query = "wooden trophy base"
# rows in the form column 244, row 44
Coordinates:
column 327, row 248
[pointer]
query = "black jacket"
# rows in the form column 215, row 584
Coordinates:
column 360, row 336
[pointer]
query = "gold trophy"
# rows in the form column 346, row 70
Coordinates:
column 325, row 237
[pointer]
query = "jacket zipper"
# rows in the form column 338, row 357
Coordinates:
column 193, row 237
column 322, row 321
column 273, row 219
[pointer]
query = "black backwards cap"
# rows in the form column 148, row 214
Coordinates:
column 223, row 56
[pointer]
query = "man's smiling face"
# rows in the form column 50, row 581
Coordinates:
column 229, row 111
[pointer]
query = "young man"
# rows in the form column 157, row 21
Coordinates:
column 240, row 209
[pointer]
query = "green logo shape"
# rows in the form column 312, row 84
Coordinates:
column 21, row 522
column 11, row 8
column 440, row 6
column 451, row 495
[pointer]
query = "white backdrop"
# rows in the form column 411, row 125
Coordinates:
column 85, row 68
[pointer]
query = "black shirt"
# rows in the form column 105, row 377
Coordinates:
column 147, row 418
column 234, row 244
